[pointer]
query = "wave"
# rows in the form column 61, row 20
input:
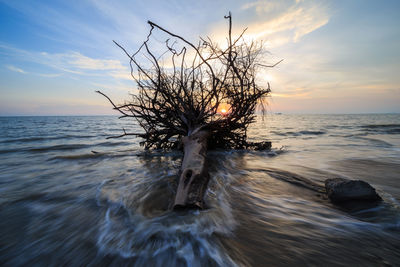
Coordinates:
column 376, row 142
column 43, row 138
column 94, row 155
column 298, row 133
column 113, row 144
column 80, row 156
column 64, row 147
column 45, row 148
column 382, row 128
column 292, row 178
column 168, row 238
column 58, row 147
column 312, row 132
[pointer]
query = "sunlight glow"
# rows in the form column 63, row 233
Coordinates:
column 268, row 78
column 224, row 109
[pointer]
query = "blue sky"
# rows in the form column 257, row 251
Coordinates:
column 340, row 56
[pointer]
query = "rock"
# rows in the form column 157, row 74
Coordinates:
column 341, row 190
column 266, row 145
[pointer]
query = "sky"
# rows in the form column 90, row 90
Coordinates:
column 339, row 56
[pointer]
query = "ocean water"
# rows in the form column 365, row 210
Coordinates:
column 69, row 196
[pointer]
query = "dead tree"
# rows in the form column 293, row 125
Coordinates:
column 198, row 96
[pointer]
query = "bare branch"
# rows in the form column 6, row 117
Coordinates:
column 270, row 66
column 186, row 97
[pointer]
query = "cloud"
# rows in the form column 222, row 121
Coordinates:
column 19, row 70
column 49, row 75
column 13, row 68
column 75, row 62
column 278, row 22
column 121, row 74
column 290, row 95
column 70, row 62
column 286, row 20
column 80, row 61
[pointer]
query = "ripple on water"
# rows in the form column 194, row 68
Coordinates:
column 135, row 226
column 60, row 203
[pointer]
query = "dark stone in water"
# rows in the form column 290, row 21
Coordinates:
column 341, row 190
column 266, row 145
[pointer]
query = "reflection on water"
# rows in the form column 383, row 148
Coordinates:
column 61, row 203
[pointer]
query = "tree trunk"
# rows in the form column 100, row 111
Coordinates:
column 194, row 174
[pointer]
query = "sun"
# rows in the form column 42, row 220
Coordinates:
column 268, row 78
column 224, row 109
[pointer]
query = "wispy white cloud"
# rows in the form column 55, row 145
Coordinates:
column 288, row 21
column 113, row 86
column 70, row 62
column 49, row 75
column 121, row 74
column 13, row 68
column 19, row 70
column 80, row 61
column 280, row 22
column 77, row 63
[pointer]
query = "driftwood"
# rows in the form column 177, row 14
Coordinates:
column 181, row 92
column 194, row 174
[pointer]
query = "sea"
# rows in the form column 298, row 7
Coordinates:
column 71, row 197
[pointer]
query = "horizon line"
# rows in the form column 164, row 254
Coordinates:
column 267, row 113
